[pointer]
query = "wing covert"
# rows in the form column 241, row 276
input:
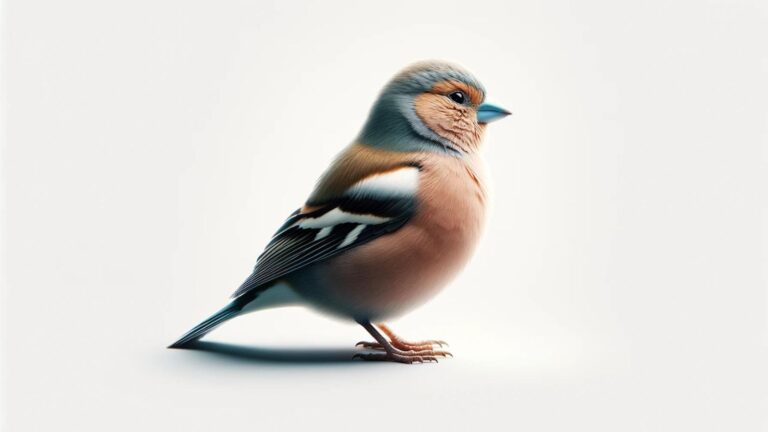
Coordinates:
column 372, row 207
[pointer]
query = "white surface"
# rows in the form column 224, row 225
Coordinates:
column 153, row 147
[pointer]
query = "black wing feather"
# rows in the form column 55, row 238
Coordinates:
column 293, row 247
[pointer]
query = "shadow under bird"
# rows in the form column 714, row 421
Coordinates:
column 391, row 221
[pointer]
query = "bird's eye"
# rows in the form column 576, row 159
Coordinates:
column 458, row 97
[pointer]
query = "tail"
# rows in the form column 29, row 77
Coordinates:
column 229, row 311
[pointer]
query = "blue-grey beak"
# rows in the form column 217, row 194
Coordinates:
column 487, row 113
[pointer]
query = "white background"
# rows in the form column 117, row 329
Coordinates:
column 152, row 147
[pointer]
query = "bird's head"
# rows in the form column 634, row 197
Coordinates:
column 430, row 106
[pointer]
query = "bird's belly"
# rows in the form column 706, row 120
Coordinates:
column 399, row 271
column 386, row 277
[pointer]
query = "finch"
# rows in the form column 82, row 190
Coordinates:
column 392, row 220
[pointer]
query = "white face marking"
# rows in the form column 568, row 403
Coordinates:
column 323, row 233
column 352, row 236
column 400, row 182
column 338, row 216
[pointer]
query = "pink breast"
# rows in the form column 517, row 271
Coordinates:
column 402, row 270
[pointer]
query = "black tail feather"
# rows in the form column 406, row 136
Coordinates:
column 200, row 330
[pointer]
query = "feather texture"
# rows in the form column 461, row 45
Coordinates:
column 369, row 208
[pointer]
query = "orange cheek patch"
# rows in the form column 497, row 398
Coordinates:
column 452, row 122
column 437, row 113
column 445, row 87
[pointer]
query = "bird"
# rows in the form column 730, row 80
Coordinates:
column 392, row 220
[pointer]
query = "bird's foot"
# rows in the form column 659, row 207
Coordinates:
column 404, row 346
column 400, row 356
column 397, row 349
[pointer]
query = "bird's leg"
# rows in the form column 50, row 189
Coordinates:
column 399, row 351
column 401, row 344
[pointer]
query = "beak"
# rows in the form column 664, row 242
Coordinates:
column 487, row 113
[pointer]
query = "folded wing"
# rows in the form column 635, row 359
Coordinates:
column 374, row 206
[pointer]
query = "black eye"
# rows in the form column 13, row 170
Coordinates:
column 457, row 97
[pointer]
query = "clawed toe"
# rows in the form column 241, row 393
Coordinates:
column 404, row 346
column 395, row 357
column 392, row 348
column 370, row 345
column 402, row 356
